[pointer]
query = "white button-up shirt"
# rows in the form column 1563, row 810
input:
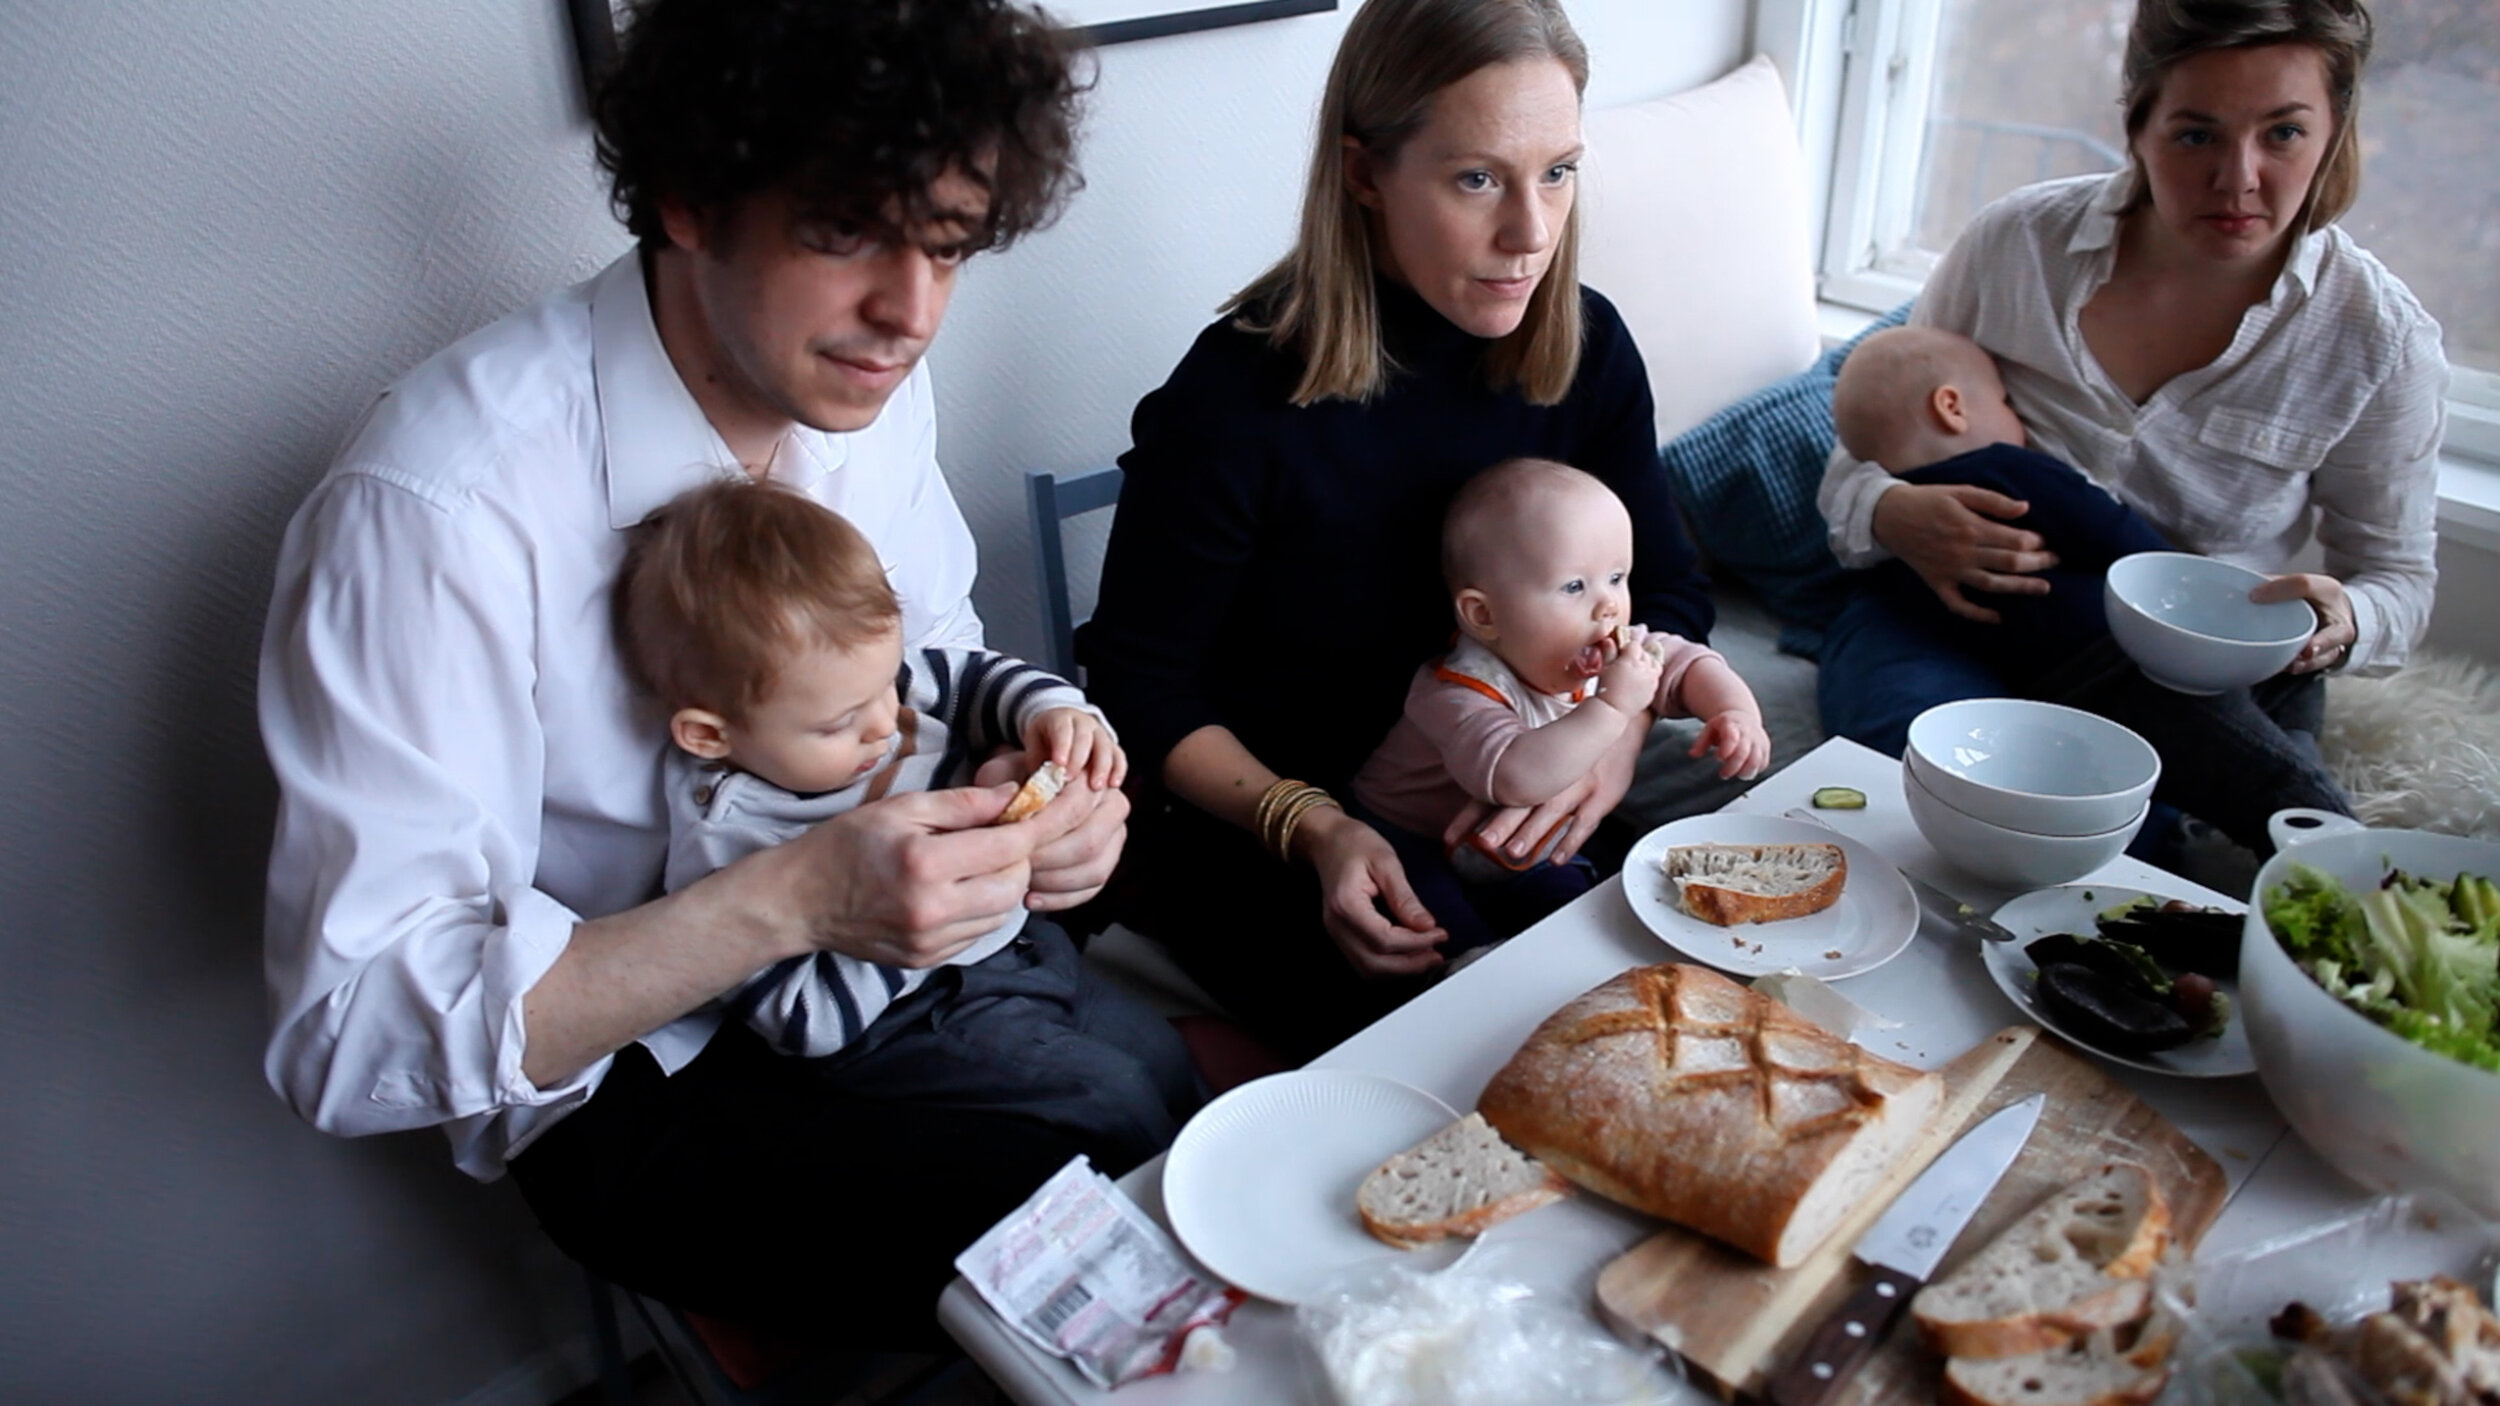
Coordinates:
column 2324, row 415
column 463, row 771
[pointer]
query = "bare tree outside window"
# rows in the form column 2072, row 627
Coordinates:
column 2028, row 89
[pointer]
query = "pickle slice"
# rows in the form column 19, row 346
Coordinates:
column 1839, row 798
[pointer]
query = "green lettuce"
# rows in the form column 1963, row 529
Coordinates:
column 2418, row 956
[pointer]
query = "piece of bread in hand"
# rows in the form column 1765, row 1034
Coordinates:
column 1037, row 791
column 1732, row 884
column 1463, row 1180
column 2080, row 1261
column 2111, row 1367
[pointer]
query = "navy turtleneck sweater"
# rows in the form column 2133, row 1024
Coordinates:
column 1275, row 569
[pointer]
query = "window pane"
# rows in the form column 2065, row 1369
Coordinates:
column 2028, row 89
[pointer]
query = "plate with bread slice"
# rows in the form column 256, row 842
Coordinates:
column 2140, row 979
column 1265, row 1184
column 1757, row 894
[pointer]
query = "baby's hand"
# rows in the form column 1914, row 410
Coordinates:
column 1630, row 679
column 1737, row 736
column 1077, row 740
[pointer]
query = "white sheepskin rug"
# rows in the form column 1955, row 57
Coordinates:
column 2419, row 750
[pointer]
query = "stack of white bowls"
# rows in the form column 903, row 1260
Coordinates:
column 2022, row 795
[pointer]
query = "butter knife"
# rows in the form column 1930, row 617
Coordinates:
column 1931, row 898
column 1903, row 1248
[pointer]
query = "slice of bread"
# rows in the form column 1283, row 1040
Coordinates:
column 1731, row 884
column 2122, row 1367
column 1463, row 1180
column 2079, row 1261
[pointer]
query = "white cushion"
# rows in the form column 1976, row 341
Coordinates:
column 1694, row 222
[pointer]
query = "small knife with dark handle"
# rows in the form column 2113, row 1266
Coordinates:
column 1903, row 1248
column 1930, row 898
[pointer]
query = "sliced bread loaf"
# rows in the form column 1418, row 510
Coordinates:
column 2122, row 1367
column 1463, row 1180
column 1731, row 884
column 2079, row 1261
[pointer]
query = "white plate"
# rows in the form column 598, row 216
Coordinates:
column 1260, row 1185
column 2072, row 909
column 1874, row 920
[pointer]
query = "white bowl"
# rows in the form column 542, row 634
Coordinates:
column 2379, row 1108
column 2188, row 623
column 2035, row 767
column 2006, row 858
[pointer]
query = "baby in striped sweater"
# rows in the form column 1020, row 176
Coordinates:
column 763, row 623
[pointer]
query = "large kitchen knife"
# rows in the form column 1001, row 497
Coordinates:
column 1902, row 1249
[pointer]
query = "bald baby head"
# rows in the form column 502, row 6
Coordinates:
column 1911, row 396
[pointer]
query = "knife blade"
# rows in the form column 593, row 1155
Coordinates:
column 1932, row 899
column 1903, row 1247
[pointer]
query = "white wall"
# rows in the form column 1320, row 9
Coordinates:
column 223, row 229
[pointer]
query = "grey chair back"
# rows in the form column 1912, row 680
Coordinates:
column 1054, row 498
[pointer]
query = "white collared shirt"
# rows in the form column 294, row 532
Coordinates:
column 463, row 771
column 2324, row 415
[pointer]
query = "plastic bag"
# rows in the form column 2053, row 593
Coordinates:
column 2340, row 1267
column 1475, row 1334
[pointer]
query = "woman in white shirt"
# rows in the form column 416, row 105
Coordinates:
column 2196, row 335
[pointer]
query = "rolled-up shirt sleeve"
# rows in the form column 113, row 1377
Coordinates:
column 2377, row 496
column 403, row 928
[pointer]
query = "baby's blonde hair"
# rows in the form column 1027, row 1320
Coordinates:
column 1494, row 498
column 1885, row 382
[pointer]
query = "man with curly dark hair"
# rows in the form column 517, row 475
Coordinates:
column 462, row 930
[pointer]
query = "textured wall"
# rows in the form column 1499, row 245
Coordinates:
column 222, row 228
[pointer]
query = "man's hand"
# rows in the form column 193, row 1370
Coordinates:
column 1359, row 874
column 1077, row 837
column 2336, row 632
column 1077, row 740
column 1519, row 831
column 1950, row 534
column 910, row 880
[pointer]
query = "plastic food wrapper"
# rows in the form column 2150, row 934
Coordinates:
column 2341, row 1267
column 1475, row 1334
column 1083, row 1274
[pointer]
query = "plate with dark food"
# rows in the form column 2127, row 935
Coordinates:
column 2140, row 979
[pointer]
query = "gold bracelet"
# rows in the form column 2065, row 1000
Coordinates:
column 1279, row 811
column 1263, row 814
column 1303, row 805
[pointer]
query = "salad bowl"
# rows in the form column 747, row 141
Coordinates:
column 2384, row 1110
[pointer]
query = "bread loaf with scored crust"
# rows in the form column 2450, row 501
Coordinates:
column 1678, row 1092
column 1732, row 884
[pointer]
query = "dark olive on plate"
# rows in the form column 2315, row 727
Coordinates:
column 2101, row 1010
column 2183, row 939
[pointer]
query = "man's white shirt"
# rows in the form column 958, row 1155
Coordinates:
column 464, row 771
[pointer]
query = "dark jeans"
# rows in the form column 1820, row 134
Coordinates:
column 1480, row 913
column 826, row 1199
column 2230, row 760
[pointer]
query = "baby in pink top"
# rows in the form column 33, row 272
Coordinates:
column 1537, row 688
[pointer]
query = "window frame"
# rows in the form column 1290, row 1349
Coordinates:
column 1862, row 78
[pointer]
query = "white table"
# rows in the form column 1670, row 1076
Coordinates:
column 1451, row 1039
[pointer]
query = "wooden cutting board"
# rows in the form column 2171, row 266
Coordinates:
column 1735, row 1319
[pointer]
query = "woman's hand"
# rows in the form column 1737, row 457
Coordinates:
column 1359, row 875
column 1519, row 831
column 1951, row 535
column 2336, row 632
